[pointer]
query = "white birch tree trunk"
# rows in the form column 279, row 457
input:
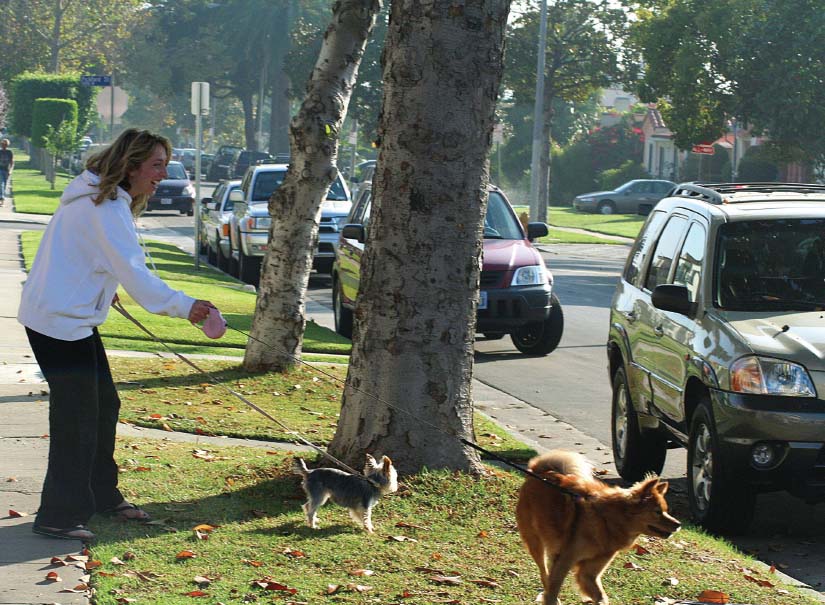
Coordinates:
column 415, row 315
column 295, row 206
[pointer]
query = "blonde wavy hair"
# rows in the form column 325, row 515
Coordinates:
column 127, row 153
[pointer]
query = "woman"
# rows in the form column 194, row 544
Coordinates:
column 88, row 249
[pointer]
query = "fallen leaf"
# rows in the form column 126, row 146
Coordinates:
column 204, row 527
column 252, row 563
column 295, row 554
column 52, row 576
column 449, row 580
column 486, row 583
column 713, row 596
column 332, row 588
column 411, row 526
column 358, row 587
column 202, row 580
column 116, row 561
column 76, row 558
column 92, row 565
column 128, row 555
column 640, row 550
column 196, row 593
column 670, row 582
column 401, row 539
column 58, row 561
column 361, row 572
column 14, row 513
column 633, row 566
column 185, row 554
column 763, row 583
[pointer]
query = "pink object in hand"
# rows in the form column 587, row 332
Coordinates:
column 214, row 326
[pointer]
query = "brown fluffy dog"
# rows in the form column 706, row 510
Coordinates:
column 584, row 533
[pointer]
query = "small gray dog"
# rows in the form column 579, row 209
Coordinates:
column 354, row 492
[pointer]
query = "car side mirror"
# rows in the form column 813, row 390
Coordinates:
column 236, row 196
column 206, row 201
column 212, row 205
column 536, row 230
column 671, row 297
column 354, row 231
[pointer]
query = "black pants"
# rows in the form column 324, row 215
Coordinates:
column 83, row 411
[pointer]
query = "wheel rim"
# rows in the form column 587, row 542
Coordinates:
column 702, row 468
column 621, row 423
column 607, row 209
column 530, row 334
column 336, row 306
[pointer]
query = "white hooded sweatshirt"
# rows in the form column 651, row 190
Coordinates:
column 86, row 251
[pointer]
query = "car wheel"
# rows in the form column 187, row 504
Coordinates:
column 249, row 269
column 541, row 337
column 634, row 453
column 719, row 501
column 342, row 315
column 225, row 263
column 607, row 208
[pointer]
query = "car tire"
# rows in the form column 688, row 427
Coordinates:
column 634, row 453
column 719, row 500
column 342, row 315
column 607, row 207
column 541, row 337
column 249, row 269
column 494, row 335
column 211, row 256
column 224, row 262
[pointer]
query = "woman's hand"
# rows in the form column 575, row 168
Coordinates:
column 200, row 310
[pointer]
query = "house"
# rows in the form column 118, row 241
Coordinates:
column 661, row 156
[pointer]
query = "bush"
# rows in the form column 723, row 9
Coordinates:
column 27, row 87
column 50, row 114
column 757, row 167
column 612, row 178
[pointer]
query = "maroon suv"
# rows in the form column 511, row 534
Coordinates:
column 516, row 289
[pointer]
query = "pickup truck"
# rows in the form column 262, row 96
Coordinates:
column 215, row 213
column 250, row 221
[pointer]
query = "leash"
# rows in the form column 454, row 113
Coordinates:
column 118, row 306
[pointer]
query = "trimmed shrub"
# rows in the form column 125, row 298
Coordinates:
column 612, row 178
column 51, row 113
column 757, row 167
column 27, row 87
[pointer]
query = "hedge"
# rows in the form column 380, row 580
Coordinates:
column 27, row 87
column 51, row 112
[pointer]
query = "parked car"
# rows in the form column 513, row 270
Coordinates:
column 175, row 192
column 636, row 197
column 363, row 173
column 215, row 213
column 250, row 220
column 516, row 296
column 717, row 344
column 206, row 160
column 219, row 166
column 186, row 156
column 245, row 158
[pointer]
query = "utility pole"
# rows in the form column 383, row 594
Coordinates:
column 200, row 107
column 538, row 117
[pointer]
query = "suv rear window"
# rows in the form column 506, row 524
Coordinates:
column 499, row 222
column 771, row 265
column 268, row 181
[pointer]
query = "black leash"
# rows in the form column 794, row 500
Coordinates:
column 118, row 306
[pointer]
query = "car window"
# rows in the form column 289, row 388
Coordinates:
column 265, row 184
column 773, row 264
column 500, row 222
column 689, row 267
column 229, row 204
column 361, row 207
column 642, row 245
column 665, row 251
column 662, row 187
column 175, row 171
column 217, row 195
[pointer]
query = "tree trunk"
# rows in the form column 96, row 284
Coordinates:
column 279, row 114
column 248, row 120
column 295, row 206
column 544, row 162
column 409, row 388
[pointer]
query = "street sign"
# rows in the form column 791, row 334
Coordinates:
column 200, row 98
column 703, row 149
column 96, row 80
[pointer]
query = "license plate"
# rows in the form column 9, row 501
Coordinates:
column 165, row 200
column 482, row 300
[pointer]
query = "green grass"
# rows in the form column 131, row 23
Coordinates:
column 32, row 192
column 625, row 225
column 168, row 394
column 176, row 268
column 438, row 524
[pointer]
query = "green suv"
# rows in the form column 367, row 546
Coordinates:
column 717, row 344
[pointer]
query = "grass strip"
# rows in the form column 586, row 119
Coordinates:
column 237, row 306
column 32, row 192
column 443, row 538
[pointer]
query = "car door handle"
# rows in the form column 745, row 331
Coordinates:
column 659, row 331
column 630, row 316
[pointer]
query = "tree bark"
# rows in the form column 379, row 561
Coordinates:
column 295, row 206
column 409, row 388
column 544, row 161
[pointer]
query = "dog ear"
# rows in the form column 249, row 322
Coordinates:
column 661, row 487
column 386, row 465
column 371, row 464
column 645, row 489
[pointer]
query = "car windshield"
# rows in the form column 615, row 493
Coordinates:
column 771, row 265
column 500, row 222
column 267, row 182
column 175, row 171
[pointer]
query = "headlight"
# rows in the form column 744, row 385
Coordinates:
column 259, row 224
column 534, row 275
column 586, row 200
column 189, row 191
column 766, row 376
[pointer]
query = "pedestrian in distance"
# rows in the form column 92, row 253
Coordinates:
column 89, row 248
column 6, row 167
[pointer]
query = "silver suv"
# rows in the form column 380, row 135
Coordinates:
column 717, row 344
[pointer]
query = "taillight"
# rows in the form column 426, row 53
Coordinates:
column 225, row 230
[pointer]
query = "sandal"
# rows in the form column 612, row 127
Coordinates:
column 127, row 511
column 77, row 532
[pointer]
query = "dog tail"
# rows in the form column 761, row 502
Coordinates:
column 299, row 467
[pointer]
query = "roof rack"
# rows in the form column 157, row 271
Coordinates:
column 712, row 192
